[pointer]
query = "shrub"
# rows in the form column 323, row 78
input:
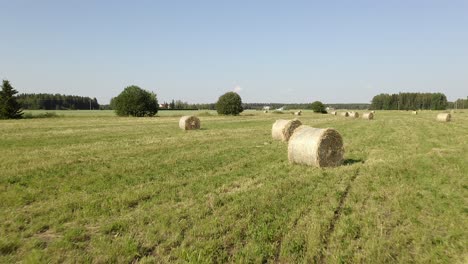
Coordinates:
column 134, row 101
column 42, row 115
column 318, row 107
column 229, row 104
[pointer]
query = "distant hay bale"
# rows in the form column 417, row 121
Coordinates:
column 316, row 147
column 266, row 111
column 333, row 113
column 345, row 114
column 189, row 123
column 354, row 114
column 298, row 113
column 283, row 129
column 444, row 117
column 368, row 116
column 372, row 112
column 415, row 112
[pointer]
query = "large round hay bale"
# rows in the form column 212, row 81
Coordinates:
column 444, row 117
column 283, row 129
column 298, row 113
column 345, row 114
column 415, row 112
column 368, row 116
column 189, row 123
column 333, row 113
column 316, row 147
column 354, row 114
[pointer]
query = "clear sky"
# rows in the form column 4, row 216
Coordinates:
column 268, row 51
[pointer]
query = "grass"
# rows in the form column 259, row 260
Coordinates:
column 100, row 188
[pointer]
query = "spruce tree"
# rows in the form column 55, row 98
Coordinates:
column 9, row 107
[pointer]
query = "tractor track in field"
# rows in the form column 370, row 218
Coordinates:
column 320, row 258
column 280, row 241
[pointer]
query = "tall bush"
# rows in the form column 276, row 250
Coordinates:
column 134, row 101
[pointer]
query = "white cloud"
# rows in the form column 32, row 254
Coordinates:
column 237, row 89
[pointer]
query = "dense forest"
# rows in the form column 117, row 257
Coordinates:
column 56, row 102
column 410, row 101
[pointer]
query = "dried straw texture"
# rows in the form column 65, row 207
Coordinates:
column 189, row 123
column 345, row 114
column 354, row 114
column 415, row 112
column 283, row 129
column 444, row 117
column 368, row 116
column 316, row 147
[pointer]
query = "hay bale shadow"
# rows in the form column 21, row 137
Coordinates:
column 352, row 161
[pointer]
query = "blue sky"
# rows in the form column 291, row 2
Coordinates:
column 268, row 51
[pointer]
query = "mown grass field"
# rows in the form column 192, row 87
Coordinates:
column 92, row 187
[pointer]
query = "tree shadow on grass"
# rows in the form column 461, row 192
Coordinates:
column 352, row 161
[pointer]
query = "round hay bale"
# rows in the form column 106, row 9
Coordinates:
column 415, row 112
column 316, row 147
column 368, row 116
column 444, row 117
column 354, row 114
column 333, row 113
column 189, row 123
column 283, row 129
column 345, row 114
column 266, row 111
column 298, row 113
column 372, row 112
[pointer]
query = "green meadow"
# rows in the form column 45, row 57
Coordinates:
column 91, row 187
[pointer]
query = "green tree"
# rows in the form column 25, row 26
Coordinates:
column 9, row 107
column 229, row 104
column 318, row 107
column 134, row 101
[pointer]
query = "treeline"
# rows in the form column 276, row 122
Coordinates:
column 409, row 101
column 56, row 102
column 459, row 104
column 180, row 105
column 258, row 106
column 177, row 104
column 350, row 106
